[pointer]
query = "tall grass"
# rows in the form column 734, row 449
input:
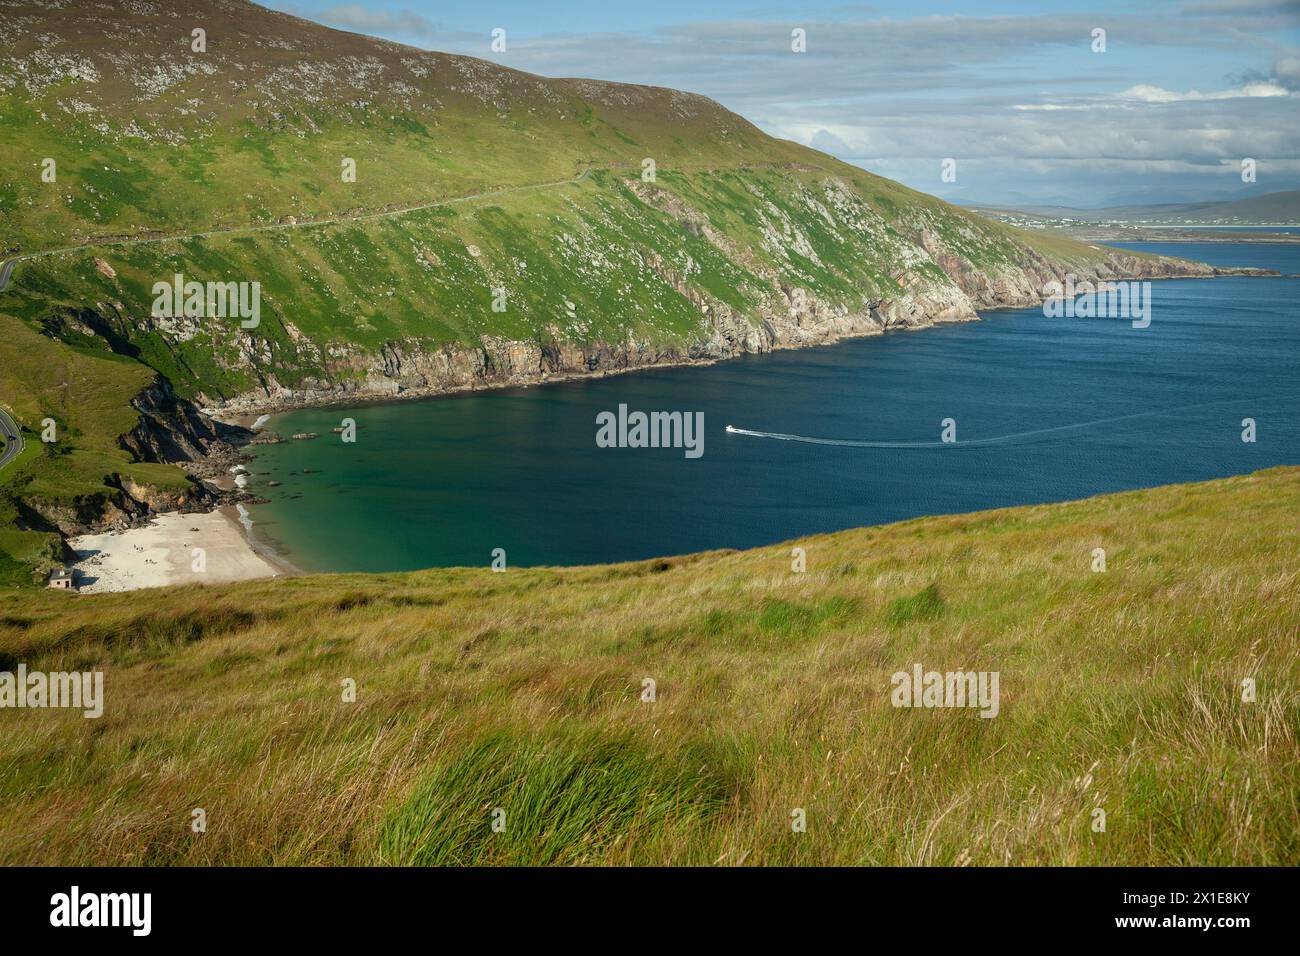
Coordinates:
column 570, row 798
column 1121, row 692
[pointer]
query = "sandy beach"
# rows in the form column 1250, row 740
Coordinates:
column 163, row 554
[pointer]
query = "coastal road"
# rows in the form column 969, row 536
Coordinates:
column 13, row 445
column 8, row 267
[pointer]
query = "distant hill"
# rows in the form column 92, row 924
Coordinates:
column 1278, row 208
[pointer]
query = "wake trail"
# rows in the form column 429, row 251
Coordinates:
column 996, row 440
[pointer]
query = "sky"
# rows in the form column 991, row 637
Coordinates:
column 1014, row 92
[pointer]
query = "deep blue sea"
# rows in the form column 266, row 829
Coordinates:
column 1110, row 407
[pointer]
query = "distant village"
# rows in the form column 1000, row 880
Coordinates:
column 1081, row 227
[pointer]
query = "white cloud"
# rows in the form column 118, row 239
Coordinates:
column 1155, row 94
column 1009, row 96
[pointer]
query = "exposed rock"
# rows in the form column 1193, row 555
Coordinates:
column 791, row 318
column 172, row 429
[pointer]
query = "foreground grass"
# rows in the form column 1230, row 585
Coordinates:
column 523, row 691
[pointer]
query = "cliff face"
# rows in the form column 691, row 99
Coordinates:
column 408, row 367
column 628, row 275
column 596, row 275
column 172, row 430
column 124, row 504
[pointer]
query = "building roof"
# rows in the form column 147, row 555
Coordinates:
column 60, row 573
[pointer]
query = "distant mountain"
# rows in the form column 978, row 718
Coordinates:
column 1278, row 208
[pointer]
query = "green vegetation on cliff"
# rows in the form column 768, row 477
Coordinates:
column 595, row 260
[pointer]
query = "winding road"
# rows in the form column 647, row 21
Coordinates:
column 13, row 436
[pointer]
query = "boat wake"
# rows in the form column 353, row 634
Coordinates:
column 1011, row 439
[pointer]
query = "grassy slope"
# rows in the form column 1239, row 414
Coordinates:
column 520, row 690
column 587, row 243
column 255, row 128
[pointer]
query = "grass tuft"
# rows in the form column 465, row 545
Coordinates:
column 560, row 799
column 926, row 605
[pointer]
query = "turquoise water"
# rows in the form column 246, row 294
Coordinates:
column 1048, row 409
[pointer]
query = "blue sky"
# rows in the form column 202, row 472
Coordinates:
column 1013, row 91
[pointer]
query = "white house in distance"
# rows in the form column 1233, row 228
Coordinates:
column 63, row 579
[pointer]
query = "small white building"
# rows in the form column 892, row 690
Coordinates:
column 64, row 579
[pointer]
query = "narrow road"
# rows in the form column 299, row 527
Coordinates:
column 12, row 434
column 7, row 268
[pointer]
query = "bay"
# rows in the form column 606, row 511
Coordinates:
column 444, row 482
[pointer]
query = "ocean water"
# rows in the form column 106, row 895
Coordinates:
column 1045, row 410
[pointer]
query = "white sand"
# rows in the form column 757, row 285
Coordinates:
column 162, row 554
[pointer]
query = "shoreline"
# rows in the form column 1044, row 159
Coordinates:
column 259, row 417
column 254, row 414
column 1175, row 235
column 175, row 549
column 263, row 550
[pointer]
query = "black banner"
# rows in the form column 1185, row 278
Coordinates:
column 943, row 907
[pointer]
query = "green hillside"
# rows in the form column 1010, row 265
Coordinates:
column 537, row 184
column 596, row 260
column 1120, row 691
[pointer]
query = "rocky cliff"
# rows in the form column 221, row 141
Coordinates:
column 789, row 317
